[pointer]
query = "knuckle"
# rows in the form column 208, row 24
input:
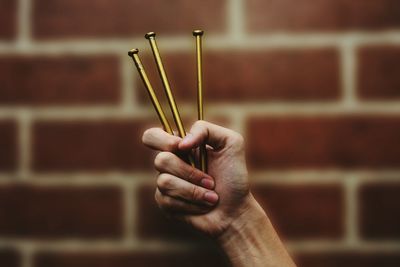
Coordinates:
column 162, row 159
column 161, row 200
column 192, row 175
column 237, row 139
column 157, row 196
column 171, row 144
column 164, row 181
column 199, row 123
column 196, row 193
column 145, row 136
column 165, row 202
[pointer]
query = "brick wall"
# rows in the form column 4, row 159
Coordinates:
column 313, row 86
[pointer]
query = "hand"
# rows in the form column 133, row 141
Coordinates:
column 219, row 204
column 209, row 202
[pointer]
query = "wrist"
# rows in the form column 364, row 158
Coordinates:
column 250, row 239
column 250, row 216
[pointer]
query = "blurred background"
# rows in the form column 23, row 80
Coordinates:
column 314, row 86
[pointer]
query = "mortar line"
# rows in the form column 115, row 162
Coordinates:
column 323, row 176
column 259, row 177
column 348, row 74
column 311, row 245
column 237, row 122
column 24, row 23
column 213, row 109
column 351, row 210
column 24, row 144
column 97, row 246
column 79, row 179
column 214, row 42
column 26, row 251
column 235, row 20
column 339, row 246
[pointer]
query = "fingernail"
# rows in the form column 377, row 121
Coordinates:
column 187, row 139
column 207, row 183
column 211, row 197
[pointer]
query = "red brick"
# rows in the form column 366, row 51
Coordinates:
column 10, row 258
column 90, row 146
column 155, row 225
column 8, row 146
column 378, row 73
column 66, row 18
column 322, row 15
column 129, row 259
column 303, row 211
column 266, row 75
column 379, row 217
column 8, row 19
column 349, row 259
column 59, row 80
column 346, row 142
column 50, row 212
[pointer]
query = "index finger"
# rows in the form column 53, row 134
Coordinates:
column 158, row 139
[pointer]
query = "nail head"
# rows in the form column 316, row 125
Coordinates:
column 150, row 35
column 133, row 51
column 198, row 33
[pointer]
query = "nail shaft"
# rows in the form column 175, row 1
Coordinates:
column 151, row 36
column 200, row 108
column 161, row 115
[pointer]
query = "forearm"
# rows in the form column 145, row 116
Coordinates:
column 252, row 241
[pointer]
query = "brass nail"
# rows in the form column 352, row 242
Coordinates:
column 200, row 107
column 134, row 54
column 171, row 100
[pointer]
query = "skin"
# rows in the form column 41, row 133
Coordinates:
column 219, row 203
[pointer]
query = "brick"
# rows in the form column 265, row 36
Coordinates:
column 8, row 19
column 8, row 146
column 66, row 18
column 347, row 142
column 127, row 259
column 266, row 75
column 155, row 225
column 53, row 212
column 322, row 15
column 378, row 73
column 303, row 211
column 59, row 80
column 379, row 214
column 109, row 145
column 10, row 258
column 349, row 259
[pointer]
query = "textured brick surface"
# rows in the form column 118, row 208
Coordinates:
column 10, row 258
column 90, row 146
column 8, row 19
column 324, row 142
column 66, row 18
column 349, row 259
column 128, row 259
column 282, row 64
column 380, row 211
column 8, row 145
column 155, row 225
column 252, row 76
column 60, row 212
column 378, row 73
column 304, row 211
column 59, row 80
column 322, row 15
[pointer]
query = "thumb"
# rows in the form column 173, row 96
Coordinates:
column 209, row 133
